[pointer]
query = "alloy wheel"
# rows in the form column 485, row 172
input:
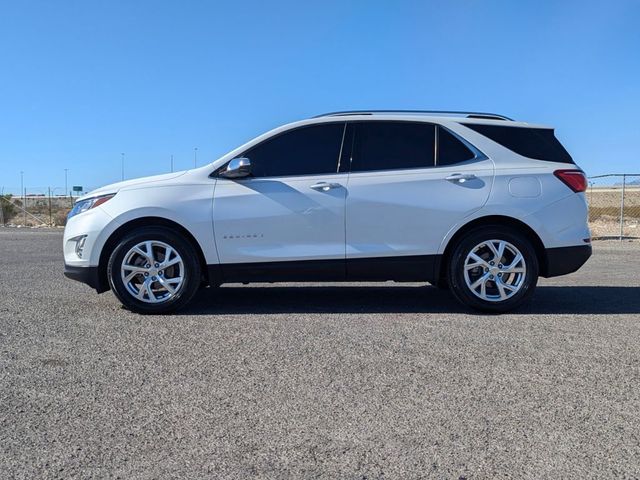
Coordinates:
column 152, row 271
column 495, row 270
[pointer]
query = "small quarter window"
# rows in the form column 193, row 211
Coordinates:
column 450, row 149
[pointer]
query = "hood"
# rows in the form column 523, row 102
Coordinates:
column 114, row 187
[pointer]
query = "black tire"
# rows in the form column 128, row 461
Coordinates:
column 191, row 274
column 456, row 269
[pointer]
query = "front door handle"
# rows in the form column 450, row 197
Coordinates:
column 460, row 177
column 325, row 186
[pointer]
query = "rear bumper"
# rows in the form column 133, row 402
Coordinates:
column 564, row 260
column 87, row 275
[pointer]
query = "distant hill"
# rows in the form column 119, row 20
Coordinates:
column 628, row 182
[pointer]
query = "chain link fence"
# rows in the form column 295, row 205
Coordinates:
column 34, row 210
column 614, row 206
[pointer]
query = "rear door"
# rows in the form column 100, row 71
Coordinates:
column 290, row 210
column 409, row 184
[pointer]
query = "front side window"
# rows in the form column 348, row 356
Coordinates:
column 393, row 145
column 311, row 150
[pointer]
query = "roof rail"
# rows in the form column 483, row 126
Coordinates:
column 493, row 116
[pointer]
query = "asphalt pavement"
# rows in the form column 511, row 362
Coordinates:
column 375, row 381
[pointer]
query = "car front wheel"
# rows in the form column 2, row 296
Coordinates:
column 154, row 270
column 493, row 269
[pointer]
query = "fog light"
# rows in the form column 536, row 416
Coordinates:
column 80, row 241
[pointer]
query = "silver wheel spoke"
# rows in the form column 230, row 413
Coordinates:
column 479, row 261
column 143, row 288
column 167, row 286
column 149, row 251
column 514, row 270
column 500, row 286
column 142, row 253
column 171, row 262
column 517, row 259
column 481, row 281
column 130, row 277
column 492, row 247
column 501, row 247
column 152, row 297
column 135, row 268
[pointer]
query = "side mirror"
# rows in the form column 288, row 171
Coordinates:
column 237, row 168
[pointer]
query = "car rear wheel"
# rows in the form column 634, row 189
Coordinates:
column 154, row 270
column 493, row 269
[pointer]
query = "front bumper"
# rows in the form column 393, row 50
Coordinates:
column 564, row 260
column 96, row 225
column 87, row 275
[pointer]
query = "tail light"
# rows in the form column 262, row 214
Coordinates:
column 574, row 179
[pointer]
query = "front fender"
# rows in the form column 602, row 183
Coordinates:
column 190, row 206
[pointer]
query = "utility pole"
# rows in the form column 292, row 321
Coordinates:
column 66, row 192
column 2, row 207
column 624, row 183
column 171, row 163
column 24, row 196
column 195, row 157
column 122, row 166
column 50, row 216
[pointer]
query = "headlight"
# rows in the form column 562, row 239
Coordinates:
column 88, row 204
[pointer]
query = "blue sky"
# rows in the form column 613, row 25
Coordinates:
column 83, row 81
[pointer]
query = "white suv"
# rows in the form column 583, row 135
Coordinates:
column 473, row 202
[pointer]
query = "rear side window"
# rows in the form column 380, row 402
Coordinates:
column 450, row 149
column 537, row 143
column 393, row 145
column 309, row 150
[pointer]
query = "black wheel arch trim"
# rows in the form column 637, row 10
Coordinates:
column 491, row 221
column 128, row 227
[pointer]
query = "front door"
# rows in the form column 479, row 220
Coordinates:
column 286, row 220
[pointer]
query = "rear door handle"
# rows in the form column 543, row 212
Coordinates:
column 325, row 186
column 460, row 177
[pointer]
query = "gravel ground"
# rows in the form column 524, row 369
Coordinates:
column 350, row 381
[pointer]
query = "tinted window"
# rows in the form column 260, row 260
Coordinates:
column 303, row 151
column 393, row 145
column 538, row 143
column 450, row 149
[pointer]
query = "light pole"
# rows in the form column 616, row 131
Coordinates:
column 24, row 197
column 65, row 182
column 195, row 157
column 171, row 163
column 122, row 166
